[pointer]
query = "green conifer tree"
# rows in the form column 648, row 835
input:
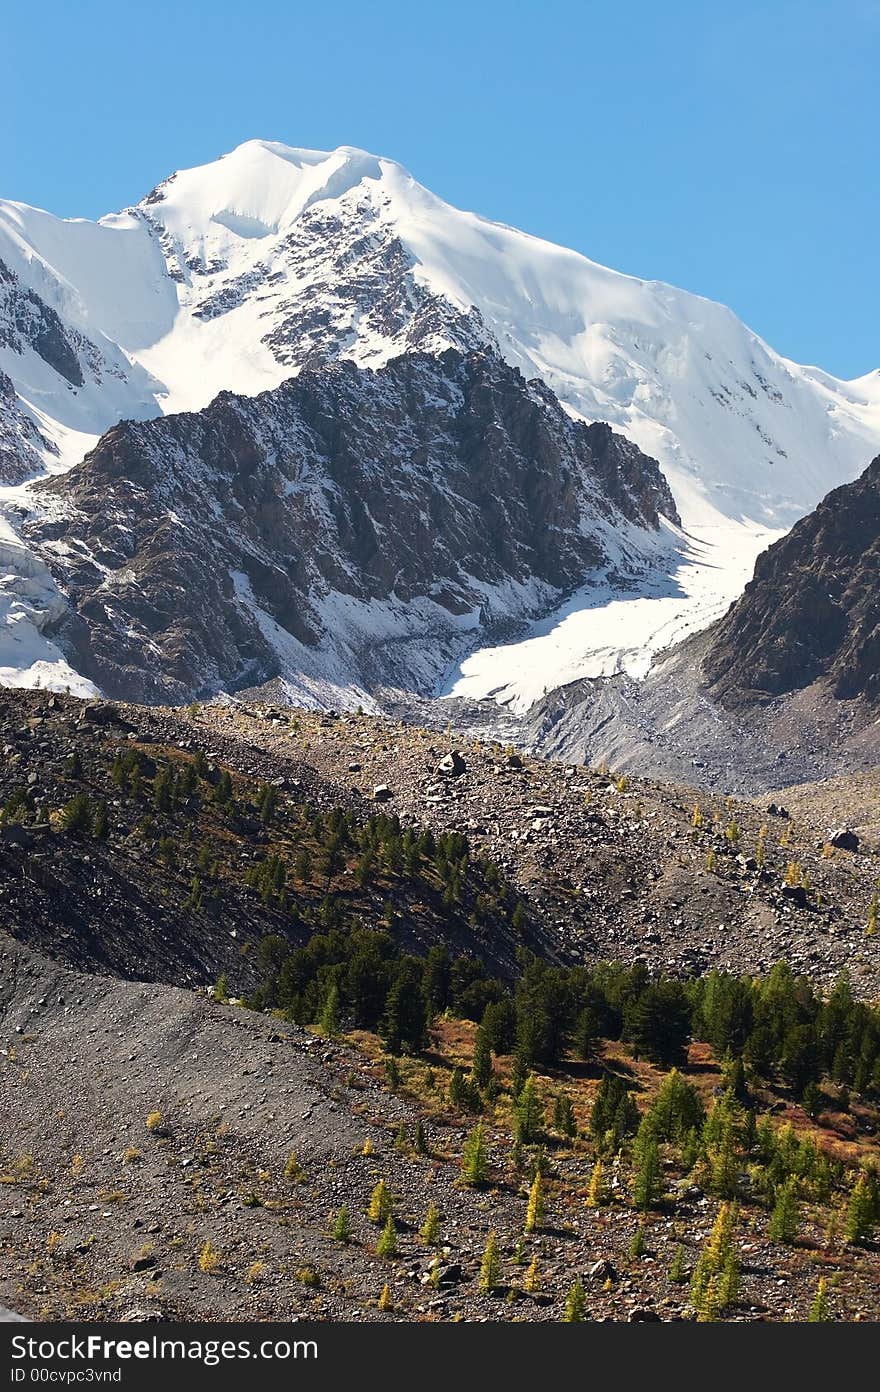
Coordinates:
column 404, row 1023
column 387, row 1244
column 430, row 1230
column 723, row 1176
column 860, row 1215
column 196, row 897
column 564, row 1120
column 474, row 1159
column 457, row 1091
column 615, row 1115
column 785, row 1218
column 637, row 1245
column 329, row 1021
column 267, row 801
column 529, row 1113
column 76, row 815
column 700, row 1278
column 163, row 789
column 676, row 1110
column 586, row 1035
column 648, row 1177
column 677, row 1272
column 223, row 791
column 518, row 1073
column 341, row 1230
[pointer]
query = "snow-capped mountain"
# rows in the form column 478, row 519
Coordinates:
column 345, row 530
column 236, row 275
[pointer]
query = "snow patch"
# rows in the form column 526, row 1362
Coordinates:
column 603, row 629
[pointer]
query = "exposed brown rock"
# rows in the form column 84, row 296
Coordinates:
column 445, row 486
column 812, row 611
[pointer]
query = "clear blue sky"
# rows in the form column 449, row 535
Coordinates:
column 730, row 149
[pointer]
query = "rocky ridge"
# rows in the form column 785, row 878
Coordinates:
column 347, row 527
column 22, row 445
column 607, row 868
column 811, row 613
column 610, row 867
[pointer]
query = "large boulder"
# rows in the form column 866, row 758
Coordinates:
column 452, row 765
column 844, row 839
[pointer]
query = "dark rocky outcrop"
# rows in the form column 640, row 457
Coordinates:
column 224, row 547
column 26, row 320
column 812, row 611
column 21, row 442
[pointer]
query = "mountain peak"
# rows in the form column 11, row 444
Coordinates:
column 229, row 274
column 299, row 155
column 235, row 275
column 254, row 191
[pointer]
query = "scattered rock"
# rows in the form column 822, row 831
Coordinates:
column 794, row 894
column 452, row 764
column 843, row 839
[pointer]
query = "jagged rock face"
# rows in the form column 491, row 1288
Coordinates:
column 20, row 440
column 342, row 284
column 25, row 319
column 53, row 373
column 27, row 322
column 345, row 510
column 233, row 275
column 812, row 611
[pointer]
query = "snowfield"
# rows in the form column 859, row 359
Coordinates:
column 29, row 601
column 600, row 631
column 228, row 276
